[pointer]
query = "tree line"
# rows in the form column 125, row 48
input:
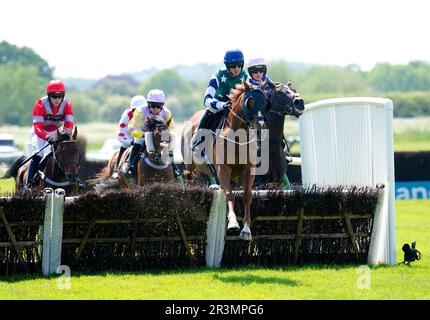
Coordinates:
column 24, row 74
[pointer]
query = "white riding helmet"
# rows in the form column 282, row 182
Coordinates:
column 156, row 95
column 256, row 62
column 138, row 101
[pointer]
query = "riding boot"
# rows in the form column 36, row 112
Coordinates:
column 134, row 155
column 203, row 125
column 115, row 169
column 32, row 169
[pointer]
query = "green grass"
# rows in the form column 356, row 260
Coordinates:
column 308, row 282
column 7, row 186
column 412, row 141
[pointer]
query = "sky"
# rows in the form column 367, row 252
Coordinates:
column 94, row 38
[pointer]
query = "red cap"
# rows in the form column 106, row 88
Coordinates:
column 55, row 86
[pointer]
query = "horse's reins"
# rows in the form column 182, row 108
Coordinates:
column 62, row 166
column 45, row 178
column 148, row 160
column 282, row 113
column 228, row 139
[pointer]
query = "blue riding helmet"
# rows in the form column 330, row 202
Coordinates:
column 233, row 56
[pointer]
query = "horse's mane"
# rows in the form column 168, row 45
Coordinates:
column 152, row 121
column 236, row 93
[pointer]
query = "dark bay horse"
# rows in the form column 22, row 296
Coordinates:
column 152, row 166
column 60, row 171
column 283, row 100
column 233, row 160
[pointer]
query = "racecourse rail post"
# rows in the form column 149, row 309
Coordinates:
column 47, row 226
column 57, row 230
column 216, row 229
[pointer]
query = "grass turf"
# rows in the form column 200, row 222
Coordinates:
column 283, row 283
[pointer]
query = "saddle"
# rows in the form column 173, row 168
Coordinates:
column 42, row 164
column 216, row 120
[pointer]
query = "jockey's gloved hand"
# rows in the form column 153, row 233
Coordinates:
column 51, row 140
column 227, row 104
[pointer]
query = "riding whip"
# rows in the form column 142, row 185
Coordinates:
column 31, row 157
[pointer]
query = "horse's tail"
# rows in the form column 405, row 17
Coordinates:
column 100, row 177
column 13, row 169
column 102, row 181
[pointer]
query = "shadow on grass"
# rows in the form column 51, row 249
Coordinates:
column 250, row 278
column 221, row 274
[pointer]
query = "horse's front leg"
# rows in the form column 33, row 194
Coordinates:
column 248, row 180
column 224, row 173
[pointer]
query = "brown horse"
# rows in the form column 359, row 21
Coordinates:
column 233, row 160
column 60, row 171
column 152, row 166
column 282, row 101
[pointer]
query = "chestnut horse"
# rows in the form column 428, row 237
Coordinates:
column 233, row 161
column 152, row 166
column 60, row 171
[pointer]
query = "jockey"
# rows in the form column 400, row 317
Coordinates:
column 155, row 106
column 50, row 113
column 257, row 70
column 124, row 136
column 219, row 87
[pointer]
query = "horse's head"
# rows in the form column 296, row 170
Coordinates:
column 157, row 135
column 67, row 155
column 284, row 100
column 248, row 103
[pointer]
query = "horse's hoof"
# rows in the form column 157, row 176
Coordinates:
column 233, row 225
column 214, row 187
column 245, row 236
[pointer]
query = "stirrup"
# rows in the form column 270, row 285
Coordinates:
column 114, row 174
column 195, row 144
column 129, row 173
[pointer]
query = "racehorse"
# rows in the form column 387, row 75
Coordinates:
column 60, row 169
column 154, row 165
column 282, row 101
column 227, row 154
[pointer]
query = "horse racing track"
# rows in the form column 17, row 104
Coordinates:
column 165, row 227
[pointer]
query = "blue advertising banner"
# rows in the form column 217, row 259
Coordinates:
column 412, row 190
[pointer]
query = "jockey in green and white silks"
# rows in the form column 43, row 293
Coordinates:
column 219, row 87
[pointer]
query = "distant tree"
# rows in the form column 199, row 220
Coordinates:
column 334, row 79
column 20, row 87
column 113, row 107
column 117, row 85
column 414, row 76
column 279, row 71
column 167, row 80
column 24, row 56
column 85, row 109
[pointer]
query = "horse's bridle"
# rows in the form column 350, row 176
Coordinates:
column 274, row 98
column 64, row 165
column 158, row 129
column 260, row 99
